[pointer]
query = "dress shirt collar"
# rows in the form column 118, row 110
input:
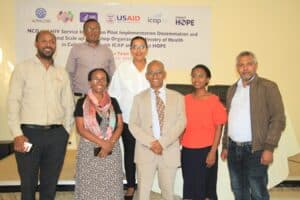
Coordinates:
column 88, row 44
column 162, row 93
column 143, row 71
column 38, row 61
column 161, row 90
column 240, row 82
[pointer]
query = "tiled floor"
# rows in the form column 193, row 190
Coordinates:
column 276, row 194
column 8, row 176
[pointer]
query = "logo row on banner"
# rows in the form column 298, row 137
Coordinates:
column 169, row 30
column 69, row 16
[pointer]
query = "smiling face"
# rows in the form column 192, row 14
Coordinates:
column 138, row 50
column 246, row 67
column 98, row 82
column 46, row 45
column 199, row 78
column 156, row 74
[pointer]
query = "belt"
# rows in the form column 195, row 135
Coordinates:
column 240, row 144
column 78, row 94
column 41, row 127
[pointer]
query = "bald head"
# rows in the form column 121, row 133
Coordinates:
column 157, row 63
column 156, row 74
column 43, row 32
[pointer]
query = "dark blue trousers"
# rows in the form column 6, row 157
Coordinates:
column 199, row 181
column 129, row 146
column 44, row 162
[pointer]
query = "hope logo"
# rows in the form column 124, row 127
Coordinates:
column 184, row 21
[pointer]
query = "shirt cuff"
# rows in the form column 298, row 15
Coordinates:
column 269, row 147
column 17, row 133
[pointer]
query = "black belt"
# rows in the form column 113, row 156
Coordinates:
column 240, row 144
column 78, row 94
column 41, row 127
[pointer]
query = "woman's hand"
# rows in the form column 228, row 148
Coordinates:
column 211, row 159
column 224, row 154
column 106, row 149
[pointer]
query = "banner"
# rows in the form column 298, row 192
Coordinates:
column 178, row 36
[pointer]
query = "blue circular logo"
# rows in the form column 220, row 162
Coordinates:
column 40, row 13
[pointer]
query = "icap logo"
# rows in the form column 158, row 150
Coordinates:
column 40, row 13
column 155, row 19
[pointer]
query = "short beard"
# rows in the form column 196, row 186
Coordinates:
column 44, row 56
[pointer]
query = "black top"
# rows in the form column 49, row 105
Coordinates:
column 79, row 110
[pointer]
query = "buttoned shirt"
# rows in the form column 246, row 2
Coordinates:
column 82, row 59
column 39, row 96
column 155, row 120
column 239, row 120
column 127, row 81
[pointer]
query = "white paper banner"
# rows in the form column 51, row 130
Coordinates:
column 178, row 36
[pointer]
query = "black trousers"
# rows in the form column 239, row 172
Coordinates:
column 199, row 181
column 129, row 145
column 44, row 161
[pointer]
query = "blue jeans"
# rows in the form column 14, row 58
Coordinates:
column 248, row 176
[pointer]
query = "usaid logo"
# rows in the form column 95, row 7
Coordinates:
column 40, row 13
column 111, row 18
column 184, row 21
column 83, row 16
column 128, row 18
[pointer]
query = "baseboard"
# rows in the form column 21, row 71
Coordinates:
column 71, row 187
column 60, row 187
column 289, row 183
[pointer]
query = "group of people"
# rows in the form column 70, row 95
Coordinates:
column 132, row 102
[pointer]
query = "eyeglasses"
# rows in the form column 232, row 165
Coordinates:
column 95, row 81
column 136, row 47
column 153, row 73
